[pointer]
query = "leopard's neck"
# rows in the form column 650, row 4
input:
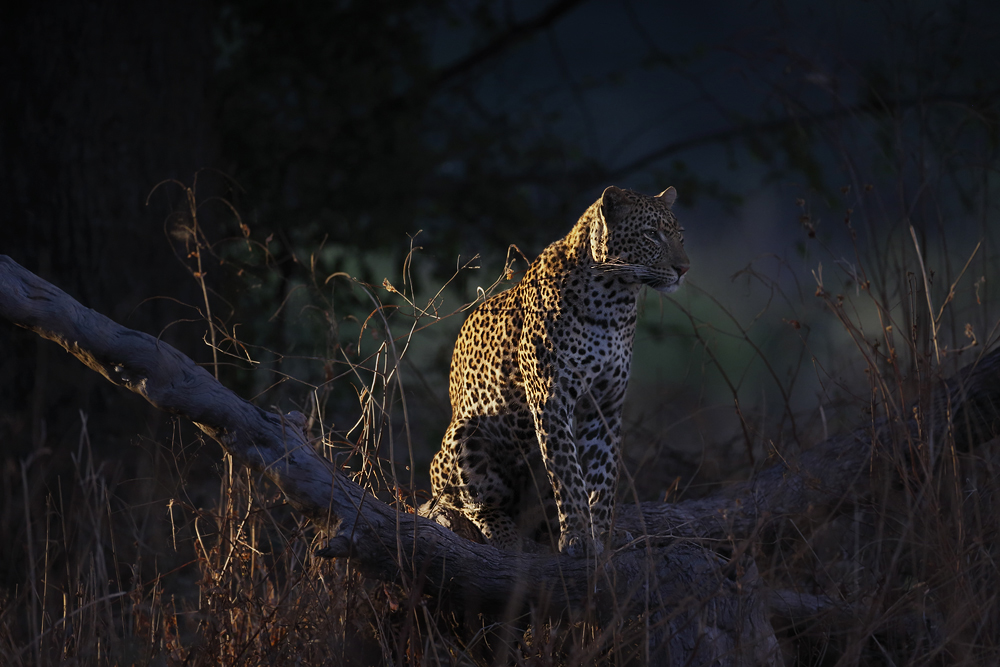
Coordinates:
column 570, row 254
column 576, row 244
column 568, row 266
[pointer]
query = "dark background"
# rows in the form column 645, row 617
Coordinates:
column 333, row 132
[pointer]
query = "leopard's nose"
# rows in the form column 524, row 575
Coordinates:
column 681, row 269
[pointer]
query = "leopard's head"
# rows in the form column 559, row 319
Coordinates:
column 637, row 237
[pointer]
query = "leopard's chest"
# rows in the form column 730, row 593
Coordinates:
column 596, row 333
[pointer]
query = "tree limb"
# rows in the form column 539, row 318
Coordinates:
column 515, row 33
column 777, row 125
column 699, row 607
column 838, row 470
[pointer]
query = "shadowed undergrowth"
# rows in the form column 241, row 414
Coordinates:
column 164, row 553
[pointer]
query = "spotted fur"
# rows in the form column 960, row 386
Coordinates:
column 539, row 373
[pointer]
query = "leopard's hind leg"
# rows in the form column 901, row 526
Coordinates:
column 469, row 476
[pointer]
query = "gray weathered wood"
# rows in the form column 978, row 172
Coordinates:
column 699, row 608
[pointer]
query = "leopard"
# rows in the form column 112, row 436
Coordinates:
column 539, row 373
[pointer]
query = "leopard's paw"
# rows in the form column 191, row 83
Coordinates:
column 620, row 539
column 579, row 545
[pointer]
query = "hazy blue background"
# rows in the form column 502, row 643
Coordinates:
column 338, row 130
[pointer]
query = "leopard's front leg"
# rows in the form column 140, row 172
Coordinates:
column 598, row 438
column 554, row 427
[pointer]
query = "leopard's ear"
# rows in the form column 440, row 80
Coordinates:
column 613, row 201
column 669, row 196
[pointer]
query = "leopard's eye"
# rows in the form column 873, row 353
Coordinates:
column 650, row 234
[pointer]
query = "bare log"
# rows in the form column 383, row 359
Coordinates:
column 699, row 608
column 964, row 410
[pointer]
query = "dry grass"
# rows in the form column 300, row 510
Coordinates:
column 162, row 555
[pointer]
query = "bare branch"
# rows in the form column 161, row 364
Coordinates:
column 516, row 33
column 699, row 605
column 752, row 129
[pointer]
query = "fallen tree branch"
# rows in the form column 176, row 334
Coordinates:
column 699, row 608
column 839, row 470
